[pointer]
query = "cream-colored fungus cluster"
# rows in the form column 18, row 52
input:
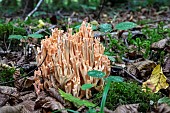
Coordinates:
column 69, row 58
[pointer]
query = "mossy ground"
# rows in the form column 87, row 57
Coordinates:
column 128, row 93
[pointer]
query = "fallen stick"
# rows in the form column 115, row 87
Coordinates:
column 35, row 9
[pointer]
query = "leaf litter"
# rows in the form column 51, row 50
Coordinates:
column 23, row 98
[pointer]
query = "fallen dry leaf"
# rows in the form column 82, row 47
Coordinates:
column 54, row 93
column 157, row 80
column 29, row 105
column 14, row 109
column 3, row 99
column 27, row 96
column 52, row 104
column 130, row 108
column 9, row 91
column 163, row 108
column 160, row 44
column 167, row 65
column 141, row 68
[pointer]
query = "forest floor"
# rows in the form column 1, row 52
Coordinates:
column 139, row 52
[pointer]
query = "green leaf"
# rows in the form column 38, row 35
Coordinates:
column 96, row 73
column 108, row 53
column 125, row 25
column 35, row 35
column 86, row 86
column 164, row 100
column 15, row 37
column 88, row 7
column 114, row 79
column 94, row 27
column 111, row 58
column 105, row 27
column 105, row 92
column 75, row 100
column 77, row 27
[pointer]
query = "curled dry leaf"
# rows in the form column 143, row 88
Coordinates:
column 141, row 68
column 160, row 44
column 130, row 108
column 157, row 80
column 54, row 93
column 163, row 108
column 28, row 82
column 52, row 104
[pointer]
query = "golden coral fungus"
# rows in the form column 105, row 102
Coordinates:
column 69, row 58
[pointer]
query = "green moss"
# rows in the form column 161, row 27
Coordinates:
column 6, row 74
column 127, row 93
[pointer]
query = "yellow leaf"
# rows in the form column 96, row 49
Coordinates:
column 157, row 80
column 94, row 22
column 41, row 23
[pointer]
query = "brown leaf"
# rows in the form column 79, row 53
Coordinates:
column 27, row 96
column 130, row 108
column 53, row 105
column 3, row 99
column 160, row 44
column 141, row 69
column 13, row 109
column 28, row 82
column 167, row 65
column 29, row 105
column 163, row 108
column 54, row 93
column 40, row 100
column 9, row 90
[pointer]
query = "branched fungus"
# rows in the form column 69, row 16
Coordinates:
column 69, row 58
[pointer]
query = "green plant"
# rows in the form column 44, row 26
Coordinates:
column 75, row 100
column 105, row 28
column 122, row 93
column 115, row 47
column 164, row 100
column 6, row 74
column 108, row 80
column 143, row 46
column 5, row 31
column 125, row 25
column 78, row 102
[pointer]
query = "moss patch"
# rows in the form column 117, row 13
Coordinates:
column 127, row 93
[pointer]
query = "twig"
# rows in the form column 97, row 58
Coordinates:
column 25, row 8
column 119, row 67
column 59, row 13
column 98, row 16
column 133, row 76
column 35, row 9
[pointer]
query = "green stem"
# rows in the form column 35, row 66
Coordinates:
column 106, row 89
